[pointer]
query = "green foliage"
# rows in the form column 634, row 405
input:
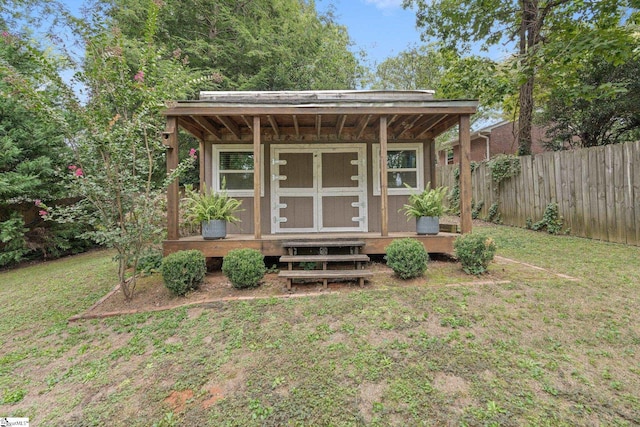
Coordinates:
column 427, row 203
column 551, row 220
column 476, row 207
column 601, row 107
column 454, row 195
column 150, row 261
column 256, row 45
column 475, row 252
column 503, row 167
column 183, row 271
column 407, row 258
column 419, row 67
column 12, row 240
column 494, row 214
column 244, row 267
column 209, row 205
column 310, row 265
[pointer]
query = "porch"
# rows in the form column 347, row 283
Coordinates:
column 317, row 165
column 271, row 245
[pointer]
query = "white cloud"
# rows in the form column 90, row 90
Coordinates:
column 385, row 4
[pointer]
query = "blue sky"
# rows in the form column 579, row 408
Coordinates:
column 382, row 28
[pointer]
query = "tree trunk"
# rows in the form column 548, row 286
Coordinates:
column 529, row 32
column 525, row 117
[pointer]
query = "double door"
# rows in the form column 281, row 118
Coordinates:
column 318, row 188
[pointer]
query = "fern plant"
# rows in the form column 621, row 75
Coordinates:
column 210, row 205
column 427, row 203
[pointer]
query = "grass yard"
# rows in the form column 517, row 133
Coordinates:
column 541, row 350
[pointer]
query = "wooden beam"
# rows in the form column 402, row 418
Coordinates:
column 273, row 123
column 384, row 200
column 340, row 124
column 208, row 126
column 425, row 127
column 191, row 126
column 362, row 125
column 296, row 126
column 170, row 140
column 201, row 165
column 432, row 160
column 318, row 125
column 465, row 173
column 442, row 127
column 247, row 122
column 257, row 173
column 230, row 125
column 452, row 107
column 407, row 124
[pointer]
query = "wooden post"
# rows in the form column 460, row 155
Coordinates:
column 432, row 165
column 465, row 173
column 384, row 200
column 201, row 164
column 257, row 172
column 170, row 140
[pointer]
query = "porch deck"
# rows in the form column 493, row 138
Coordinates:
column 271, row 245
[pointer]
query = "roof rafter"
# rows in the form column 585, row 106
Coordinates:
column 230, row 125
column 208, row 126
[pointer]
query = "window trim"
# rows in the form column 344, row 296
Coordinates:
column 419, row 148
column 215, row 164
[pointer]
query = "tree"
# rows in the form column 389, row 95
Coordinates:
column 419, row 67
column 33, row 151
column 602, row 108
column 253, row 45
column 536, row 27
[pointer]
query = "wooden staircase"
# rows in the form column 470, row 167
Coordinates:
column 326, row 252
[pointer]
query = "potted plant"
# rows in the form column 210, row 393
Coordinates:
column 426, row 208
column 213, row 210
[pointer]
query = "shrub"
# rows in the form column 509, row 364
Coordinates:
column 150, row 261
column 244, row 267
column 407, row 258
column 551, row 220
column 475, row 252
column 183, row 271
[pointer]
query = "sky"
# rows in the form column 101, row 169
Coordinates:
column 382, row 28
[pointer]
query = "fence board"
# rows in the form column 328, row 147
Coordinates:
column 597, row 190
column 601, row 191
column 636, row 189
column 586, row 195
column 579, row 184
column 630, row 232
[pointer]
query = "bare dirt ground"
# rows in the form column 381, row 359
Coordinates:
column 152, row 295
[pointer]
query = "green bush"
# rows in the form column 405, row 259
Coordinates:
column 244, row 267
column 475, row 252
column 183, row 271
column 407, row 258
column 150, row 261
column 551, row 220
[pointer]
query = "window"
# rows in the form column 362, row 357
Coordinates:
column 233, row 168
column 404, row 166
column 449, row 156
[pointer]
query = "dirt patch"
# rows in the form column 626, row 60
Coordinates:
column 215, row 394
column 152, row 295
column 177, row 400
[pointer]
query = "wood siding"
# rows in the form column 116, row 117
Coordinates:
column 336, row 211
column 597, row 191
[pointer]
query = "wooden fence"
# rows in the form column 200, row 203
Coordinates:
column 597, row 191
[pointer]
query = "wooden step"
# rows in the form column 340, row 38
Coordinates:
column 322, row 243
column 325, row 258
column 324, row 275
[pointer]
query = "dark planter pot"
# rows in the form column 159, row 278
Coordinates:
column 428, row 225
column 214, row 229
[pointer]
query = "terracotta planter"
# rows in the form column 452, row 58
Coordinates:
column 428, row 225
column 214, row 229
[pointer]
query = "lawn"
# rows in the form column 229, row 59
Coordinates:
column 540, row 350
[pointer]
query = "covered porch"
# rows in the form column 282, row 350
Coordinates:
column 317, row 164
